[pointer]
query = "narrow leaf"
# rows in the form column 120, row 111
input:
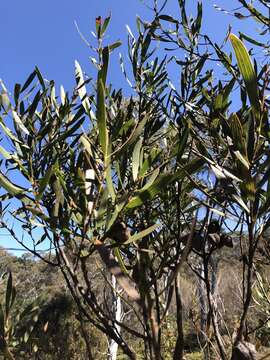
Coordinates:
column 161, row 182
column 28, row 81
column 247, row 71
column 9, row 133
column 44, row 182
column 81, row 87
column 62, row 95
column 115, row 45
column 182, row 144
column 141, row 234
column 5, row 153
column 136, row 132
column 87, row 145
column 136, row 159
column 9, row 291
column 242, row 159
column 9, row 186
column 251, row 40
column 168, row 18
column 2, row 322
column 19, row 123
column 101, row 118
column 240, row 202
column 40, row 78
column 105, row 25
column 109, row 182
column 151, row 179
column 105, row 64
column 121, row 261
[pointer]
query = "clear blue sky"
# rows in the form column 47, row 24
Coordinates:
column 43, row 33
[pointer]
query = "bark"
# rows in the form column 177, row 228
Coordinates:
column 213, row 305
column 249, row 282
column 203, row 312
column 86, row 338
column 244, row 351
column 179, row 346
column 82, row 297
column 117, row 308
column 112, row 265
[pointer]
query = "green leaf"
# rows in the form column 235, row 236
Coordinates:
column 242, row 159
column 241, row 202
column 28, row 81
column 19, row 123
column 248, row 188
column 105, row 64
column 9, row 133
column 101, row 106
column 2, row 322
column 239, row 140
column 168, row 18
column 87, row 145
column 115, row 45
column 62, row 95
column 251, row 40
column 38, row 213
column 5, row 153
column 197, row 24
column 224, row 58
column 161, row 182
column 149, row 161
column 151, row 179
column 136, row 132
column 102, row 208
column 59, row 197
column 4, row 100
column 111, row 220
column 26, row 335
column 33, row 107
column 184, row 18
column 40, row 78
column 44, row 182
column 17, row 90
column 105, row 25
column 136, row 159
column 109, row 181
column 182, row 144
column 222, row 173
column 81, row 87
column 9, row 294
column 9, row 186
column 247, row 70
column 145, row 46
column 66, row 134
column 102, row 118
column 227, row 91
column 40, row 241
column 258, row 16
column 120, row 261
column 141, row 234
column 251, row 138
column 265, row 206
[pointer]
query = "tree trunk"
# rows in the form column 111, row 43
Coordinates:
column 117, row 309
column 203, row 312
column 244, row 351
column 179, row 346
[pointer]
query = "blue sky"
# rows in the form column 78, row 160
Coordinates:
column 43, row 33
